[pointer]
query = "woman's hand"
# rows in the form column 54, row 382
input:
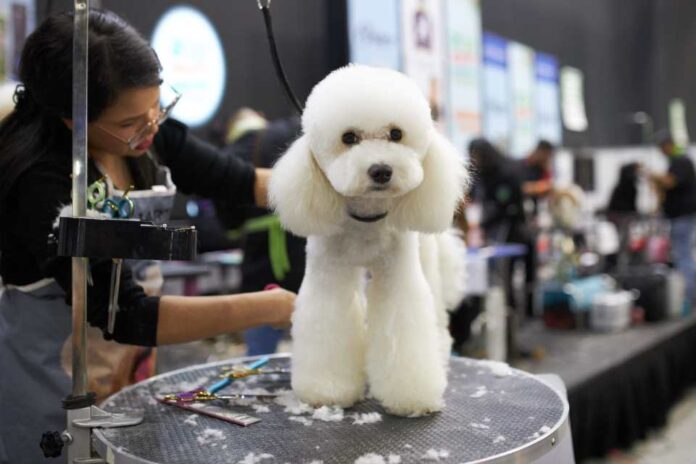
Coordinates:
column 263, row 176
column 187, row 318
column 280, row 306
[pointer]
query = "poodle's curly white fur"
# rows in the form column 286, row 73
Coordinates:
column 374, row 187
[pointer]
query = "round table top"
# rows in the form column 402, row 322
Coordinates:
column 493, row 414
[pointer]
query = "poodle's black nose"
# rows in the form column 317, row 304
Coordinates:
column 380, row 173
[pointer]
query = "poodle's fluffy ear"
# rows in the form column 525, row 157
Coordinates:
column 430, row 207
column 301, row 194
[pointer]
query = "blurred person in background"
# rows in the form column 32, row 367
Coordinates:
column 622, row 207
column 625, row 194
column 536, row 172
column 498, row 188
column 678, row 186
column 271, row 255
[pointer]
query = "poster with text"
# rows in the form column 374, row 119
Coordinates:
column 464, row 70
column 677, row 122
column 573, row 99
column 373, row 29
column 496, row 113
column 521, row 84
column 423, row 52
column 548, row 104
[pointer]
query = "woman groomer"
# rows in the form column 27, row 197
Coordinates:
column 130, row 144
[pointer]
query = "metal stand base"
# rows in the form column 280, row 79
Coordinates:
column 80, row 425
column 78, row 436
column 99, row 418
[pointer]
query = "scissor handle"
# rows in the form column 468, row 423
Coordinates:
column 96, row 192
column 126, row 208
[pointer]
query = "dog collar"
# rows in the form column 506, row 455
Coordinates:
column 374, row 218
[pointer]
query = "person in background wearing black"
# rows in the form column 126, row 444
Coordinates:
column 271, row 255
column 625, row 194
column 622, row 207
column 536, row 172
column 499, row 190
column 130, row 144
column 678, row 185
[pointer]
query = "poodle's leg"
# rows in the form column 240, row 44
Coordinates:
column 404, row 363
column 328, row 365
column 429, row 258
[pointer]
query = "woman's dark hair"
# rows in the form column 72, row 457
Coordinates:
column 485, row 158
column 625, row 194
column 119, row 59
column 545, row 145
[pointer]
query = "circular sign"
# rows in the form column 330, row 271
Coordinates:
column 193, row 63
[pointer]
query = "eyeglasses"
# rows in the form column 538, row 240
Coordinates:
column 169, row 94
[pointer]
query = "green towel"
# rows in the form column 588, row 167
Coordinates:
column 277, row 246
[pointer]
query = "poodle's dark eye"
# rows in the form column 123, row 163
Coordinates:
column 350, row 138
column 395, row 135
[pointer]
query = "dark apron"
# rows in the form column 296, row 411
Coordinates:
column 34, row 325
column 35, row 328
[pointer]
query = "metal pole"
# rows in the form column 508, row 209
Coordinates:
column 79, row 189
column 82, row 414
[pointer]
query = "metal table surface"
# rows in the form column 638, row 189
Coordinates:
column 491, row 416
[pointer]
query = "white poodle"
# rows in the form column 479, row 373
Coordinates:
column 369, row 175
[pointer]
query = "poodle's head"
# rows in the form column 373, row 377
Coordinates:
column 369, row 130
column 369, row 152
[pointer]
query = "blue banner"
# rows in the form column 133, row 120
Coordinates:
column 546, row 67
column 547, row 104
column 494, row 50
column 496, row 100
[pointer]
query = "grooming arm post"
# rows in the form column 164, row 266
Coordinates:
column 79, row 188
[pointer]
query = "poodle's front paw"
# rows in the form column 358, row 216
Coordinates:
column 422, row 393
column 321, row 391
column 413, row 407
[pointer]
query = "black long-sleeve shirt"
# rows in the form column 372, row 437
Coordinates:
column 38, row 194
column 680, row 200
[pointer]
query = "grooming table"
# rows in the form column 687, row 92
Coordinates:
column 491, row 416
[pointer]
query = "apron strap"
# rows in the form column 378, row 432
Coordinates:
column 39, row 284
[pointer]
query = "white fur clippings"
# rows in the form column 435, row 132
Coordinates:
column 302, row 420
column 435, row 455
column 480, row 391
column 379, row 207
column 370, row 458
column 252, row 458
column 209, row 435
column 374, row 458
column 366, row 418
column 499, row 369
column 260, row 408
column 328, row 414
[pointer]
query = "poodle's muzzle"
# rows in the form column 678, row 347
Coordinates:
column 373, row 169
column 380, row 174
